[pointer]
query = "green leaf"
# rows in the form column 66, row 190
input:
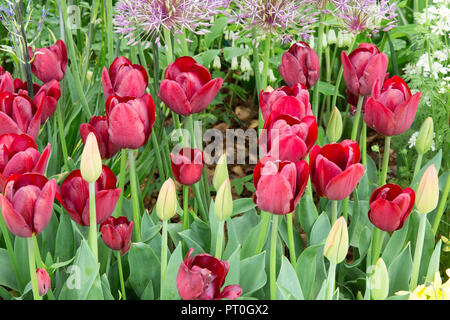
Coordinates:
column 400, row 271
column 308, row 214
column 65, row 239
column 170, row 291
column 306, row 269
column 320, row 230
column 198, row 237
column 206, row 57
column 327, row 89
column 234, row 262
column 252, row 274
column 145, row 267
column 231, row 52
column 433, row 266
column 395, row 244
column 7, row 275
column 242, row 205
column 216, row 30
column 287, row 278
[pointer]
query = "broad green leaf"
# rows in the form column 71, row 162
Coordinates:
column 216, row 30
column 307, row 214
column 306, row 269
column 234, row 262
column 170, row 291
column 252, row 274
column 7, row 275
column 320, row 230
column 400, row 272
column 433, row 266
column 395, row 244
column 288, row 279
column 242, row 205
column 144, row 267
column 231, row 52
column 65, row 239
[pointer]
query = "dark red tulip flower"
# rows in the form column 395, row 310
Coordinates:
column 300, row 65
column 285, row 179
column 27, row 203
column 19, row 114
column 287, row 138
column 363, row 67
column 391, row 110
column 187, row 165
column 49, row 63
column 187, row 87
column 99, row 126
column 6, row 81
column 19, row 154
column 390, row 206
column 130, row 120
column 124, row 79
column 44, row 282
column 335, row 169
column 270, row 100
column 116, row 233
column 202, row 278
column 21, row 87
column 75, row 196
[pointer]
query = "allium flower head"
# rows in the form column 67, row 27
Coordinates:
column 277, row 17
column 143, row 19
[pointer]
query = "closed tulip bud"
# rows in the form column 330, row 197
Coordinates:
column 379, row 281
column 331, row 36
column 334, row 127
column 221, row 172
column 427, row 194
column 91, row 161
column 425, row 137
column 44, row 282
column 166, row 204
column 336, row 246
column 223, row 207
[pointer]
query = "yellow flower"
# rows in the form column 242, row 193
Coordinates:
column 433, row 291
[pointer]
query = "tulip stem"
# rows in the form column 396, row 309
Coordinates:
column 418, row 165
column 377, row 244
column 363, row 139
column 273, row 257
column 60, row 124
column 10, row 248
column 357, row 117
column 418, row 251
column 387, row 146
column 441, row 207
column 185, row 207
column 331, row 279
column 163, row 256
column 122, row 284
column 32, row 264
column 199, row 200
column 319, row 55
column 161, row 170
column 134, row 195
column 334, row 209
column 219, row 241
column 123, row 165
column 290, row 230
column 265, row 217
column 267, row 44
column 92, row 238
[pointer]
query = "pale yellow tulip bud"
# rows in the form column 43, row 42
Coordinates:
column 166, row 204
column 379, row 281
column 223, row 206
column 91, row 161
column 427, row 195
column 334, row 127
column 425, row 137
column 221, row 172
column 336, row 246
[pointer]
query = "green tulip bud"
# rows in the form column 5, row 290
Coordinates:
column 166, row 204
column 425, row 137
column 91, row 161
column 331, row 36
column 223, row 206
column 334, row 127
column 379, row 281
column 221, row 172
column 336, row 246
column 427, row 195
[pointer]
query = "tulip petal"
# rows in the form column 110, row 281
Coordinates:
column 231, row 292
column 205, row 95
column 189, row 284
column 405, row 113
column 379, row 118
column 44, row 206
column 108, row 90
column 105, row 203
column 350, row 76
column 21, row 162
column 291, row 70
column 375, row 70
column 126, row 128
column 342, row 185
column 385, row 215
column 41, row 164
column 14, row 220
column 267, row 186
column 111, row 237
column 174, row 97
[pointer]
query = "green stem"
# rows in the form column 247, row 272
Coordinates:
column 273, row 257
column 357, row 117
column 168, row 42
column 219, row 240
column 265, row 217
column 418, row 165
column 345, row 208
column 334, row 206
column 185, row 207
column 110, row 32
column 377, row 244
column 122, row 283
column 62, row 136
column 331, row 279
column 387, row 147
column 123, row 166
column 290, row 230
column 134, row 195
column 161, row 170
column 363, row 143
column 418, row 252
column 264, row 75
column 10, row 249
column 199, row 200
column 163, row 256
column 319, row 54
column 441, row 207
column 92, row 238
column 32, row 264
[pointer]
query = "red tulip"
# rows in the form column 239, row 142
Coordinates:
column 99, row 126
column 187, row 165
column 75, row 196
column 124, row 79
column 300, row 65
column 390, row 206
column 391, row 110
column 335, row 169
column 279, row 184
column 22, row 87
column 19, row 114
column 287, row 138
column 19, row 154
column 363, row 67
column 6, row 81
column 48, row 95
column 270, row 100
column 130, row 120
column 187, row 87
column 116, row 233
column 27, row 203
column 202, row 277
column 49, row 63
column 44, row 282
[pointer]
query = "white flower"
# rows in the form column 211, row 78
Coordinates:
column 412, row 140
